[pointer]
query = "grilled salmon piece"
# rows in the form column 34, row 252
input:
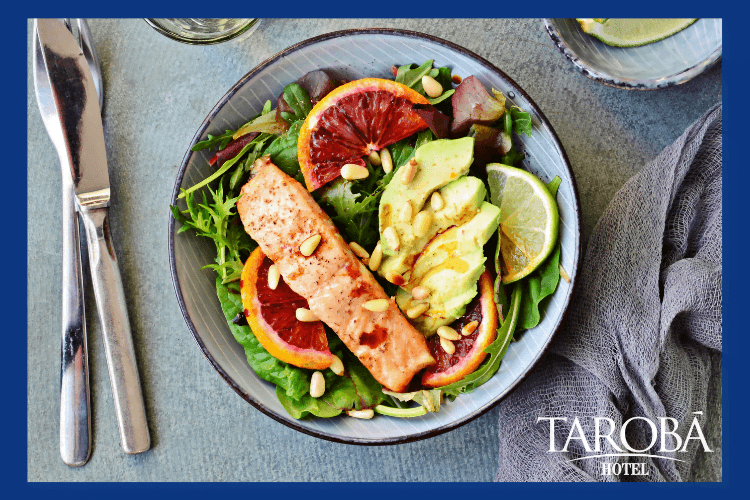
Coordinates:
column 279, row 213
column 385, row 342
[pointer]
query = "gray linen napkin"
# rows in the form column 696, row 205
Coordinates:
column 643, row 336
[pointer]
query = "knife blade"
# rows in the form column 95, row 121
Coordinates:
column 80, row 138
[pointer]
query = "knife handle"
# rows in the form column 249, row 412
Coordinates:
column 118, row 341
column 75, row 406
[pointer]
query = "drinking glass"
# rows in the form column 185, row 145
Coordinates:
column 203, row 31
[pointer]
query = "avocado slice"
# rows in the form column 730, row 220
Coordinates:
column 440, row 163
column 462, row 199
column 449, row 266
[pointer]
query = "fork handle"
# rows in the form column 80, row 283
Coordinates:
column 118, row 342
column 75, row 403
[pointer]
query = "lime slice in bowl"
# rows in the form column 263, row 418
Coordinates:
column 528, row 219
column 632, row 32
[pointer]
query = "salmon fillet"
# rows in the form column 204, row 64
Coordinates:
column 279, row 214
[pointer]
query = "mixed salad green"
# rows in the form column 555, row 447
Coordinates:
column 210, row 211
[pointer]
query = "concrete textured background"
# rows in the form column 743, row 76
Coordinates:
column 157, row 93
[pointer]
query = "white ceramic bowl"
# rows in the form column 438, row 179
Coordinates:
column 357, row 54
column 665, row 63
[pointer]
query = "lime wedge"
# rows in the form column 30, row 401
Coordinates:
column 528, row 219
column 633, row 32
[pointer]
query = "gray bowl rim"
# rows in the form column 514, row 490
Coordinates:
column 285, row 419
column 629, row 84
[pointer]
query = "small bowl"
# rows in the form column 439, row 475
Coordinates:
column 356, row 54
column 665, row 63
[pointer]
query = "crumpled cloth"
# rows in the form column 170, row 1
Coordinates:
column 643, row 336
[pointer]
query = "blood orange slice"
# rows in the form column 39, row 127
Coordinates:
column 352, row 121
column 469, row 352
column 271, row 316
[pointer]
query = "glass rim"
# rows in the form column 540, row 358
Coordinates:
column 155, row 24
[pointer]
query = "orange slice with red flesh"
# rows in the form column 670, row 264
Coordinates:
column 469, row 352
column 352, row 121
column 271, row 315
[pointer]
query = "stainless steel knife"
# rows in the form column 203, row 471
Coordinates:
column 80, row 137
column 75, row 404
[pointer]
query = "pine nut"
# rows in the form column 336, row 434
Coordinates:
column 448, row 333
column 447, row 345
column 358, row 250
column 376, row 305
column 337, row 366
column 374, row 158
column 386, row 160
column 409, row 171
column 317, row 385
column 506, row 143
column 307, row 248
column 417, row 311
column 353, row 172
column 376, row 258
column 273, row 277
column 391, row 237
column 305, row 315
column 469, row 328
column 420, row 292
column 422, row 223
column 431, row 86
column 436, row 201
column 365, row 414
column 407, row 211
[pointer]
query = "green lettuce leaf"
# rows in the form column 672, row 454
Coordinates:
column 299, row 100
column 283, row 151
column 521, row 121
column 357, row 389
column 293, row 382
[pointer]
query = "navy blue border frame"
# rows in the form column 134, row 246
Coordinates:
column 736, row 73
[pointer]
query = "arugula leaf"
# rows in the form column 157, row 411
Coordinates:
column 298, row 99
column 403, row 150
column 222, row 140
column 521, row 121
column 496, row 352
column 410, row 76
column 541, row 283
column 445, row 95
column 512, row 157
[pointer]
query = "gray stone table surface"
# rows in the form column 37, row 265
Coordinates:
column 158, row 92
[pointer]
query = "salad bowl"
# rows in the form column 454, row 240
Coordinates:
column 668, row 62
column 355, row 54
